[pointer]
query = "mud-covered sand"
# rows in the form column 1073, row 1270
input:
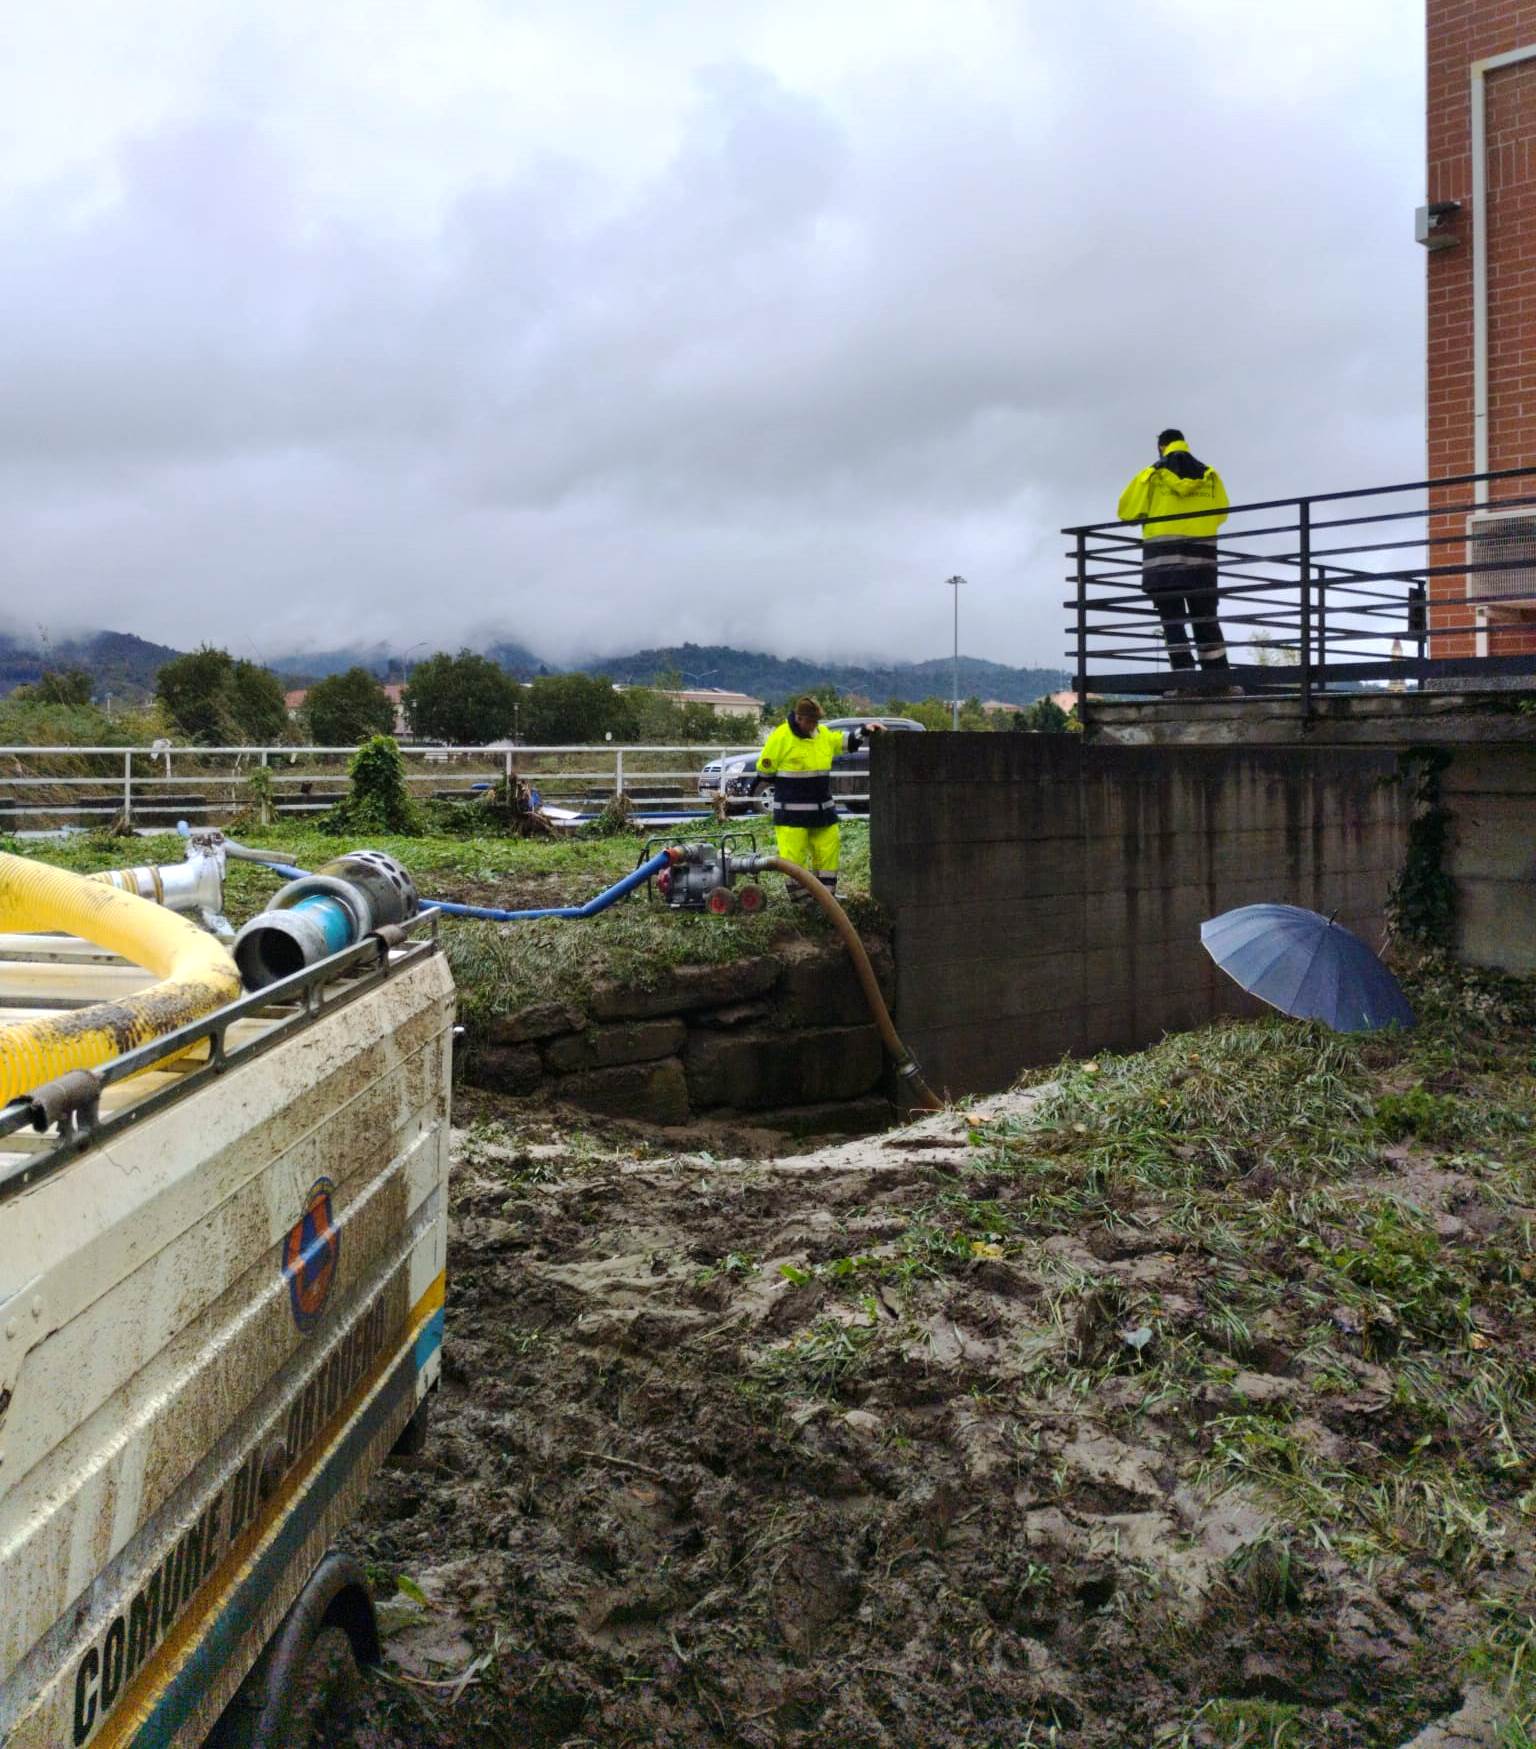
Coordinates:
column 710, row 1465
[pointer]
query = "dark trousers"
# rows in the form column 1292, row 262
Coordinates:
column 1181, row 578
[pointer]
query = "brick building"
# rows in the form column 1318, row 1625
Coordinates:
column 1480, row 230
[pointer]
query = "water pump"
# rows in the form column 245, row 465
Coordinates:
column 703, row 877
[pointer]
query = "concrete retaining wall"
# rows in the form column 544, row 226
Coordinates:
column 1047, row 896
column 1490, row 792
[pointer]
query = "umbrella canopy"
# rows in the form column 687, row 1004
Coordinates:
column 1307, row 966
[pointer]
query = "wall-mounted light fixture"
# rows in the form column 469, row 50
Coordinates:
column 1432, row 224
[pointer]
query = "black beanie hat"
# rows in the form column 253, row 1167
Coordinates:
column 1171, row 435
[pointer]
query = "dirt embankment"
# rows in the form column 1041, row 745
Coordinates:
column 885, row 1445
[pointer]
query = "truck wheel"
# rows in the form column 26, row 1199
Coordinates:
column 304, row 1691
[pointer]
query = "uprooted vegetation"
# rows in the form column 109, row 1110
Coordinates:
column 1183, row 1399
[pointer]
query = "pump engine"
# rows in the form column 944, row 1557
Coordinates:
column 703, row 877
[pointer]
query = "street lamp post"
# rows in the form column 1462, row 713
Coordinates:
column 955, row 584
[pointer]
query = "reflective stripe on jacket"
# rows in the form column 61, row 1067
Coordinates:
column 801, row 769
column 1174, row 486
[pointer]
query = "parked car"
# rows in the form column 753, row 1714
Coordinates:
column 850, row 771
column 732, row 776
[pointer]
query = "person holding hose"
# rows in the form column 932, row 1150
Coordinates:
column 797, row 761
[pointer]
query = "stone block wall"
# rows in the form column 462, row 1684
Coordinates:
column 782, row 1040
column 1047, row 896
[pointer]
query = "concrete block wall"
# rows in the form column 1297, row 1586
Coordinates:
column 1490, row 792
column 1047, row 896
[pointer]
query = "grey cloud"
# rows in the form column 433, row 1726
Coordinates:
column 826, row 355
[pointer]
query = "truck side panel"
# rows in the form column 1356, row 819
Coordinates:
column 206, row 1327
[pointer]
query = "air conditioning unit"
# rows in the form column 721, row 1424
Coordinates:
column 1501, row 562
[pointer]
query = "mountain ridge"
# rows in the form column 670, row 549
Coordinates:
column 125, row 665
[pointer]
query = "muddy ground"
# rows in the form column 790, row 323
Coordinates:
column 897, row 1443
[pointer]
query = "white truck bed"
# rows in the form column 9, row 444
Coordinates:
column 221, row 1288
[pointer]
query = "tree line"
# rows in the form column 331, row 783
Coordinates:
column 211, row 698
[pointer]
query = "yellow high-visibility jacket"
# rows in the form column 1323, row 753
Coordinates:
column 1172, row 487
column 801, row 769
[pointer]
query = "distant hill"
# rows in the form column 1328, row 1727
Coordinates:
column 304, row 667
column 125, row 666
column 519, row 662
column 775, row 677
column 119, row 663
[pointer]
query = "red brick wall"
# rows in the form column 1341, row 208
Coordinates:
column 1461, row 32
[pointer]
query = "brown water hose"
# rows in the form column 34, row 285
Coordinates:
column 918, row 1090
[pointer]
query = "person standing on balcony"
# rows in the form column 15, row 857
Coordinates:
column 1179, row 559
column 797, row 760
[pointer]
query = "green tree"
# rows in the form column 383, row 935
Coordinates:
column 932, row 713
column 465, row 700
column 833, row 703
column 213, row 699
column 68, row 686
column 257, row 707
column 1043, row 717
column 344, row 709
column 564, row 709
column 702, row 722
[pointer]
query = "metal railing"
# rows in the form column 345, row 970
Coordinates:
column 1395, row 586
column 288, row 1005
column 45, row 788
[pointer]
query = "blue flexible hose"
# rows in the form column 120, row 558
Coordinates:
column 635, row 878
column 492, row 914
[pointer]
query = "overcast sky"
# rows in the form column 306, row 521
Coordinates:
column 596, row 323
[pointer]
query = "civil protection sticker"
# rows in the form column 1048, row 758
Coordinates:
column 310, row 1254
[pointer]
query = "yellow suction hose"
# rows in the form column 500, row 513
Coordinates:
column 922, row 1095
column 196, row 974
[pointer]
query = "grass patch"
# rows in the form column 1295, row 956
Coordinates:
column 503, row 967
column 820, row 1360
column 1341, row 1328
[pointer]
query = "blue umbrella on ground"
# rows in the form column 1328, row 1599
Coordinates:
column 1307, row 966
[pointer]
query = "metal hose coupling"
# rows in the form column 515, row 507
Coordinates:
column 194, row 886
column 324, row 913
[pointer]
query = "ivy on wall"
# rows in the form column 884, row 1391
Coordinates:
column 1421, row 907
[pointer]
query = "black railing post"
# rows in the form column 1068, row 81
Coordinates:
column 1321, row 684
column 1082, row 624
column 1304, row 559
column 1418, row 618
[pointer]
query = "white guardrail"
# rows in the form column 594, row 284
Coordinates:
column 45, row 788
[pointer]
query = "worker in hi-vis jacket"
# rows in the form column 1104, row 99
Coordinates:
column 1179, row 558
column 797, row 761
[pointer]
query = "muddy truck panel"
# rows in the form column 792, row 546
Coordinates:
column 214, row 1324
